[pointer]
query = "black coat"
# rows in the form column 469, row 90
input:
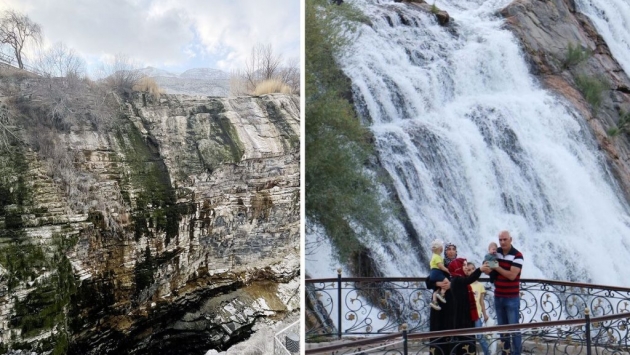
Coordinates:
column 455, row 314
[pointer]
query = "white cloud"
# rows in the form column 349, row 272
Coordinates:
column 168, row 32
column 238, row 25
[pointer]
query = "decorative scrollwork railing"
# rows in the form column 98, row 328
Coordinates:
column 280, row 339
column 567, row 337
column 367, row 306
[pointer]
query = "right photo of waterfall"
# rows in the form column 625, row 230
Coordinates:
column 435, row 128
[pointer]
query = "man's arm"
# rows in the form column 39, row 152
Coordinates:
column 509, row 274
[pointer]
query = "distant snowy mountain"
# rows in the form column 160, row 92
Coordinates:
column 196, row 81
column 205, row 73
column 155, row 72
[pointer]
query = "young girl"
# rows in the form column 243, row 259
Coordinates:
column 491, row 257
column 438, row 273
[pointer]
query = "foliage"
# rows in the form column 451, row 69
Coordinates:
column 156, row 203
column 271, row 86
column 434, row 8
column 623, row 124
column 338, row 192
column 575, row 55
column 591, row 88
column 13, row 185
column 331, row 29
column 48, row 270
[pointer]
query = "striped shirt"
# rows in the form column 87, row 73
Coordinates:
column 505, row 287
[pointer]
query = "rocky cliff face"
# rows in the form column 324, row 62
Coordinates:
column 546, row 30
column 173, row 230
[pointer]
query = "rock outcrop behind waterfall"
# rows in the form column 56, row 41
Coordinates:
column 546, row 30
column 173, row 227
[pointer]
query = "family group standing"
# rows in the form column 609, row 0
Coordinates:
column 460, row 301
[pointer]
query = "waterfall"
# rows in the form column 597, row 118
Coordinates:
column 474, row 144
column 612, row 21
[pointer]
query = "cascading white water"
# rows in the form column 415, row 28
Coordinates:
column 612, row 21
column 475, row 145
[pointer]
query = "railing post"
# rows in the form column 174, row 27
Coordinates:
column 404, row 329
column 339, row 302
column 587, row 317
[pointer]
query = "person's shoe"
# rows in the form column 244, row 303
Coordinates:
column 436, row 306
column 440, row 297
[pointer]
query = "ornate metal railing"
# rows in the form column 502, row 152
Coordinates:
column 363, row 306
column 289, row 334
column 599, row 335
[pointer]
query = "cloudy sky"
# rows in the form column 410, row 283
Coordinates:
column 174, row 35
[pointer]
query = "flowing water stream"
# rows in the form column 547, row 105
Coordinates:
column 474, row 144
column 612, row 21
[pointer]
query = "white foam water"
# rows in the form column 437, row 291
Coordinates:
column 475, row 145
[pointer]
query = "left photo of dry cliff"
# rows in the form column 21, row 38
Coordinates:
column 149, row 177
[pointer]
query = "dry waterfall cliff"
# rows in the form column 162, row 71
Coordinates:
column 173, row 228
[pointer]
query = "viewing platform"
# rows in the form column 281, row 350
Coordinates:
column 391, row 316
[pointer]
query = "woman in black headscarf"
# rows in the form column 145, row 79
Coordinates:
column 450, row 253
column 459, row 311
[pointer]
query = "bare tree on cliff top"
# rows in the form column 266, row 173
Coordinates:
column 15, row 30
column 290, row 74
column 261, row 65
column 121, row 73
column 60, row 61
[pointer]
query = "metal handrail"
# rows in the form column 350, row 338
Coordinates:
column 423, row 279
column 378, row 306
column 11, row 61
column 279, row 347
column 466, row 331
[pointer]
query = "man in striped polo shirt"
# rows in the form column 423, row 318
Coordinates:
column 507, row 298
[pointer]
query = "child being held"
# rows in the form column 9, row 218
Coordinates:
column 491, row 257
column 438, row 273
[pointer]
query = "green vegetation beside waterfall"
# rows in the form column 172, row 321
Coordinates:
column 339, row 194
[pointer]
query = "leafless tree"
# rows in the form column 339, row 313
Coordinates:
column 122, row 73
column 15, row 30
column 261, row 65
column 290, row 74
column 238, row 85
column 60, row 62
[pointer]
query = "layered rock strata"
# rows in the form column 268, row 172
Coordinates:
column 187, row 233
column 547, row 29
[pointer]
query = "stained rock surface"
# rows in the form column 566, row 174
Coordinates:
column 169, row 225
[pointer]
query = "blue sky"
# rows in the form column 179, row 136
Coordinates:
column 173, row 35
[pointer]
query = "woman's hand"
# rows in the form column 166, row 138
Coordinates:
column 445, row 285
column 485, row 268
